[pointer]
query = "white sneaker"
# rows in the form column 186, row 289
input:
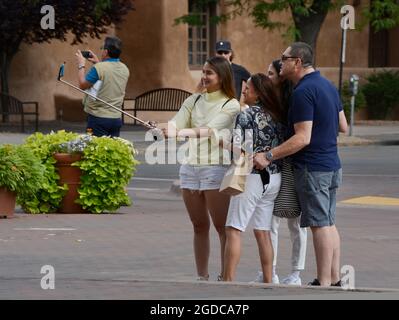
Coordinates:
column 259, row 278
column 202, row 278
column 292, row 280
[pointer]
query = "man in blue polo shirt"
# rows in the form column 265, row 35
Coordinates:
column 107, row 79
column 314, row 119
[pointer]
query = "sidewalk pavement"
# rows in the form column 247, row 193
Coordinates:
column 364, row 132
column 372, row 132
column 145, row 251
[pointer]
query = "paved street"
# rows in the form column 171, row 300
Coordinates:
column 145, row 251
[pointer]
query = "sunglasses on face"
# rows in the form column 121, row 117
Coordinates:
column 285, row 58
column 223, row 52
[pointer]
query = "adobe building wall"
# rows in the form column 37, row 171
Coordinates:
column 156, row 49
column 156, row 52
column 255, row 47
column 34, row 72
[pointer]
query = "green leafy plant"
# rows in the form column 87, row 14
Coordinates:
column 48, row 197
column 360, row 100
column 20, row 170
column 108, row 165
column 382, row 93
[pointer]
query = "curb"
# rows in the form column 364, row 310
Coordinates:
column 376, row 123
column 261, row 285
column 355, row 141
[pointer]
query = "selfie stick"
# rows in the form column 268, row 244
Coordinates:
column 61, row 74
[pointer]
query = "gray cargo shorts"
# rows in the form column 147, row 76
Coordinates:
column 317, row 196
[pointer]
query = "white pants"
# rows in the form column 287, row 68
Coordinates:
column 298, row 239
column 254, row 206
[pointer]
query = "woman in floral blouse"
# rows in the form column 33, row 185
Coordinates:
column 257, row 129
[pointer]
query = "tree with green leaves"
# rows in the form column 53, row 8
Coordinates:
column 307, row 15
column 20, row 21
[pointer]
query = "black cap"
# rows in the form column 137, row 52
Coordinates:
column 223, row 46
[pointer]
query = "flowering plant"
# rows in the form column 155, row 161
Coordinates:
column 77, row 145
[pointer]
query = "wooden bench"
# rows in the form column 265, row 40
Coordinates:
column 10, row 105
column 162, row 99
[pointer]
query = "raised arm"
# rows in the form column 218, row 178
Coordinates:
column 343, row 124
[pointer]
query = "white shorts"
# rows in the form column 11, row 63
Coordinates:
column 201, row 177
column 253, row 206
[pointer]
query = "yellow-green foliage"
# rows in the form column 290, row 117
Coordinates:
column 108, row 165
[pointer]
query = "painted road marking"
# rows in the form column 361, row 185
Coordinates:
column 369, row 200
column 146, row 189
column 44, row 229
column 153, row 179
column 371, row 175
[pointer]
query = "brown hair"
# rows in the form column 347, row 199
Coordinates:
column 267, row 96
column 223, row 69
column 285, row 89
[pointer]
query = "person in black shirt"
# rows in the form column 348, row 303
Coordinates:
column 241, row 75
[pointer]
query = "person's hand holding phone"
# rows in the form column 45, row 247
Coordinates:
column 92, row 58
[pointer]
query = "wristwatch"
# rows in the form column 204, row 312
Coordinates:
column 269, row 156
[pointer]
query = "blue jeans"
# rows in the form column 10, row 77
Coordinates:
column 104, row 126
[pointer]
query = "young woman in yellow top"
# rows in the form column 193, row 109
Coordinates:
column 201, row 118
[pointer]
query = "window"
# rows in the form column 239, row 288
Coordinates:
column 201, row 39
column 383, row 47
column 378, row 53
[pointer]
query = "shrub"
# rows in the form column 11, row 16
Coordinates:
column 49, row 196
column 382, row 93
column 360, row 100
column 20, row 170
column 107, row 166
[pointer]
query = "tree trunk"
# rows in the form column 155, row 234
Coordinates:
column 5, row 63
column 6, row 56
column 309, row 26
column 5, row 69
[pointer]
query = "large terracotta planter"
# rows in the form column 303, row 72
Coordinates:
column 71, row 176
column 7, row 203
